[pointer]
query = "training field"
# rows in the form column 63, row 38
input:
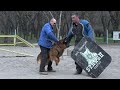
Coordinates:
column 12, row 67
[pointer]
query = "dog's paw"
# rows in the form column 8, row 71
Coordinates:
column 38, row 62
column 56, row 64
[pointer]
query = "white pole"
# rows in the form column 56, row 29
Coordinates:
column 59, row 24
column 15, row 38
column 107, row 36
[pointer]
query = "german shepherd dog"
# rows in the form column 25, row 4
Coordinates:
column 55, row 52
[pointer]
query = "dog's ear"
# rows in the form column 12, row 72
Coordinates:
column 55, row 43
column 61, row 41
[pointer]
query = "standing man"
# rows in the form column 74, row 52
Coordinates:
column 45, row 43
column 80, row 28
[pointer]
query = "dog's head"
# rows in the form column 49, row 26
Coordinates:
column 61, row 44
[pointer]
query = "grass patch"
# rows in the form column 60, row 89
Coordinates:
column 99, row 40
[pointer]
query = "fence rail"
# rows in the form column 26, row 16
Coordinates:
column 15, row 37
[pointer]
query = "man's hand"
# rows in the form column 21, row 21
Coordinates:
column 56, row 43
column 66, row 42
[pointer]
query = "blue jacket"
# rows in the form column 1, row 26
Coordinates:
column 47, row 36
column 87, row 30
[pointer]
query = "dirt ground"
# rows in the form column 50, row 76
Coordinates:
column 12, row 67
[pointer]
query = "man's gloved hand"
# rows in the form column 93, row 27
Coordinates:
column 66, row 42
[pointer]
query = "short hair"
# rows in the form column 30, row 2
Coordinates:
column 76, row 14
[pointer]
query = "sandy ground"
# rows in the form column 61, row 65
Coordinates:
column 12, row 67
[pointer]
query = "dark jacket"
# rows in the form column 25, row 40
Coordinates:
column 84, row 29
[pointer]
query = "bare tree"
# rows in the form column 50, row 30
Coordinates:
column 115, row 19
column 30, row 23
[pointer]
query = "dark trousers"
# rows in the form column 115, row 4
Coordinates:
column 45, row 54
column 78, row 68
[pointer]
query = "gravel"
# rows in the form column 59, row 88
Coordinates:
column 12, row 67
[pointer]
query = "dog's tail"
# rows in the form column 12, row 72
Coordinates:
column 39, row 58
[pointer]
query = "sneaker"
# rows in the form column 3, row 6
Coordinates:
column 77, row 72
column 52, row 70
column 43, row 73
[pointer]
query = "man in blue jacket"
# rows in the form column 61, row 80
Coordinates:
column 45, row 43
column 79, row 29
